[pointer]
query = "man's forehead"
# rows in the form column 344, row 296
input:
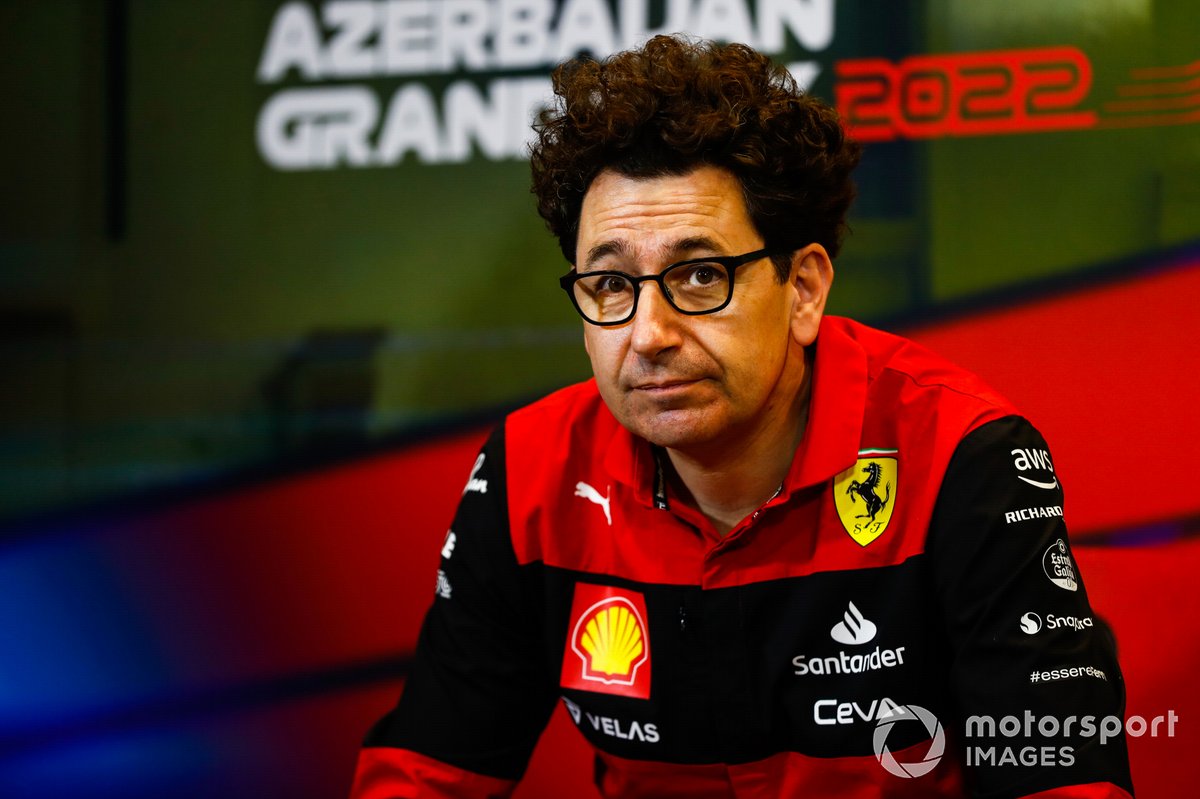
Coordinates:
column 667, row 247
column 663, row 216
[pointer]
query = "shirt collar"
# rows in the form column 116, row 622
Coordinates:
column 836, row 408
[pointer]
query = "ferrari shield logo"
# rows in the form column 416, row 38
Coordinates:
column 865, row 493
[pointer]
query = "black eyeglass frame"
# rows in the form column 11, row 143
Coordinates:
column 729, row 262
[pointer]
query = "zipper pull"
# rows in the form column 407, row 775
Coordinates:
column 682, row 619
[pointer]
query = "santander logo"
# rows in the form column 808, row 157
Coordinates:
column 854, row 628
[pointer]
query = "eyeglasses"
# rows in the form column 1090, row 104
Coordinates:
column 693, row 287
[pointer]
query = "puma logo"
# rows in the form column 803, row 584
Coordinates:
column 584, row 490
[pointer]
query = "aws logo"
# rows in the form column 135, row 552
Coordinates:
column 608, row 642
column 1036, row 460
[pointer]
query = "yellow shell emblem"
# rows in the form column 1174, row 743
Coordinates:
column 611, row 640
column 865, row 494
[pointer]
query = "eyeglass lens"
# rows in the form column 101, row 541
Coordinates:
column 691, row 288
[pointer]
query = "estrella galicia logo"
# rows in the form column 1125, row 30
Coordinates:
column 909, row 714
column 1059, row 567
column 864, row 494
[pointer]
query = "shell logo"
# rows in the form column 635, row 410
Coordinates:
column 612, row 637
column 608, row 646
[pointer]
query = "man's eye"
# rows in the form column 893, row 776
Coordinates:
column 613, row 284
column 702, row 276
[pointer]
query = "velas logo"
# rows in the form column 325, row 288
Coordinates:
column 608, row 642
column 864, row 494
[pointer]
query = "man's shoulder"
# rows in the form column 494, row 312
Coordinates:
column 900, row 369
column 566, row 407
column 570, row 422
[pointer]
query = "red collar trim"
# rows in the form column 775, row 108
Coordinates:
column 630, row 460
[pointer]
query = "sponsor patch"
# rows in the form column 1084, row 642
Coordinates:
column 853, row 630
column 443, row 585
column 833, row 711
column 608, row 642
column 589, row 493
column 474, row 483
column 613, row 727
column 865, row 494
column 1059, row 567
column 1026, row 514
column 1054, row 675
column 1031, row 623
column 1037, row 461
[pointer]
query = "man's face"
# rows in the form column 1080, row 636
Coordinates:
column 690, row 382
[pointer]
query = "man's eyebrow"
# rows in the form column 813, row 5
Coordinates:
column 677, row 249
column 606, row 248
column 691, row 244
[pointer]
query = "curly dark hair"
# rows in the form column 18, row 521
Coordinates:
column 676, row 104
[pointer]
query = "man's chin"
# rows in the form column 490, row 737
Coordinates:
column 679, row 430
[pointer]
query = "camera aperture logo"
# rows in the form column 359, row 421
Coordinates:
column 909, row 714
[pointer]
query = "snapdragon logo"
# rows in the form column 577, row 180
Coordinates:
column 1031, row 623
column 910, row 714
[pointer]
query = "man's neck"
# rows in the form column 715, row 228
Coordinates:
column 728, row 483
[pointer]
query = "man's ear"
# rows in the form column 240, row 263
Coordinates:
column 810, row 279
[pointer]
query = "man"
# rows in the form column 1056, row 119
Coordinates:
column 764, row 552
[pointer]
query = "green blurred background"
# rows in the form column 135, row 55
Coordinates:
column 174, row 309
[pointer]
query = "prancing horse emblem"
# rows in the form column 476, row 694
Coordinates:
column 866, row 520
column 866, row 490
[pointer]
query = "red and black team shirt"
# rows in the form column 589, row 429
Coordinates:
column 902, row 619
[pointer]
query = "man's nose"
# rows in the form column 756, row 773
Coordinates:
column 656, row 325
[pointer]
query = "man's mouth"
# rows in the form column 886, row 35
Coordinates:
column 666, row 386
